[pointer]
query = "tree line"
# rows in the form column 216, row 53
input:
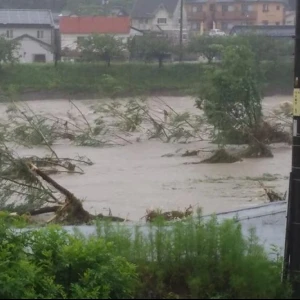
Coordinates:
column 150, row 47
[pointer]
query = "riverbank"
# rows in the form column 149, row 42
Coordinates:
column 79, row 81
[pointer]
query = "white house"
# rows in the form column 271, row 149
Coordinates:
column 158, row 15
column 72, row 28
column 34, row 31
column 290, row 18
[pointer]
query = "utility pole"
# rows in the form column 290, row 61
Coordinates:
column 292, row 241
column 181, row 32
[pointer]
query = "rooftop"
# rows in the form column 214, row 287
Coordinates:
column 245, row 1
column 147, row 8
column 26, row 16
column 270, row 30
column 97, row 24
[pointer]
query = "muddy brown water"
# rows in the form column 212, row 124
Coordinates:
column 132, row 178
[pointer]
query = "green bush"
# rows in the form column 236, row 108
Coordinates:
column 198, row 260
column 51, row 263
column 193, row 259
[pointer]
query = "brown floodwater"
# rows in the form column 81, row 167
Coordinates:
column 132, row 178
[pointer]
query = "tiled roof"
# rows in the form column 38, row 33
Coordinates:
column 232, row 1
column 26, row 16
column 146, row 8
column 97, row 24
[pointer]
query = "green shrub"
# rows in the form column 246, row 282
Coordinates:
column 193, row 259
column 51, row 263
column 198, row 260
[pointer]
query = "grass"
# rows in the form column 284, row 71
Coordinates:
column 123, row 79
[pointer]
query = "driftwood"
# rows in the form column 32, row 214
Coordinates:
column 190, row 153
column 72, row 211
column 221, row 156
column 152, row 215
column 271, row 194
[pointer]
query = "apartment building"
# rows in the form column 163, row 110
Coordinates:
column 204, row 15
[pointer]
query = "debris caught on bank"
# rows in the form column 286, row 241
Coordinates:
column 272, row 195
column 221, row 156
column 152, row 215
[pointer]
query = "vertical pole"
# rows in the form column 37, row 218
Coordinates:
column 292, row 247
column 181, row 32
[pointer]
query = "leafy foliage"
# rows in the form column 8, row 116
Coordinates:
column 58, row 265
column 198, row 259
column 232, row 93
column 150, row 47
column 8, row 50
column 101, row 47
column 208, row 46
column 191, row 259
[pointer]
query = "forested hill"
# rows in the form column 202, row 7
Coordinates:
column 60, row 5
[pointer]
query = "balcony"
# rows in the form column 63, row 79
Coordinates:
column 199, row 16
column 236, row 15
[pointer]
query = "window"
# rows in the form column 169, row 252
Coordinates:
column 40, row 34
column 278, row 7
column 212, row 7
column 141, row 21
column 162, row 21
column 41, row 58
column 194, row 9
column 9, row 33
column 265, row 22
column 247, row 7
column 277, row 23
column 199, row 8
column 146, row 21
column 265, row 7
column 224, row 8
column 230, row 8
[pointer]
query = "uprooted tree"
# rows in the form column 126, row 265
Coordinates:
column 232, row 102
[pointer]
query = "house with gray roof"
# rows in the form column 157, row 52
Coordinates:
column 158, row 16
column 34, row 31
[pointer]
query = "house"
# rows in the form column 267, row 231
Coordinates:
column 204, row 15
column 159, row 16
column 72, row 28
column 290, row 17
column 33, row 29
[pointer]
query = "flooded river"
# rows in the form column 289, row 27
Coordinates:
column 132, row 178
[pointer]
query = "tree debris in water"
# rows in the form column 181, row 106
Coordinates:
column 221, row 156
column 271, row 194
column 152, row 215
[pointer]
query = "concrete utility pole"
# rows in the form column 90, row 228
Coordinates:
column 181, row 31
column 292, row 245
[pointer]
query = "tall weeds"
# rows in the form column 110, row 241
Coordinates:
column 198, row 260
column 179, row 260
